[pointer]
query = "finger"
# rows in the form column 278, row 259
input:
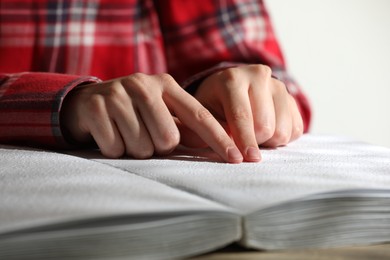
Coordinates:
column 146, row 94
column 297, row 121
column 239, row 117
column 263, row 109
column 197, row 118
column 283, row 119
column 133, row 131
column 160, row 124
column 104, row 131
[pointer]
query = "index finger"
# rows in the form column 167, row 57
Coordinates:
column 201, row 121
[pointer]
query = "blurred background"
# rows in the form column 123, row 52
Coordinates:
column 339, row 51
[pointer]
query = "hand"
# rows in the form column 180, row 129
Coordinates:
column 255, row 108
column 132, row 115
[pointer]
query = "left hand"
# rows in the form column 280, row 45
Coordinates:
column 254, row 108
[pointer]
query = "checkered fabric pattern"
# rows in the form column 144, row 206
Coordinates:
column 48, row 47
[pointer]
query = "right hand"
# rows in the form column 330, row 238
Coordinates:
column 133, row 115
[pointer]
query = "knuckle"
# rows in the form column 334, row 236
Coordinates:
column 138, row 76
column 262, row 70
column 166, row 79
column 168, row 142
column 115, row 89
column 264, row 132
column 166, row 83
column 203, row 114
column 281, row 137
column 115, row 93
column 136, row 80
column 231, row 77
column 240, row 114
column 138, row 84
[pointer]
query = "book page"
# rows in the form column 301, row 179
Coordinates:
column 43, row 188
column 311, row 165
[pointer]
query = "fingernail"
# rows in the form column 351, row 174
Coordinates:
column 234, row 155
column 253, row 154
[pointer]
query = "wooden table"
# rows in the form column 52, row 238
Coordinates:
column 347, row 253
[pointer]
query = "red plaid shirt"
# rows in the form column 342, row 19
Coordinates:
column 48, row 47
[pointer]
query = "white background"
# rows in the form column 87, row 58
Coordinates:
column 339, row 52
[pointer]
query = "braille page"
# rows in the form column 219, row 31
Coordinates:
column 41, row 188
column 309, row 166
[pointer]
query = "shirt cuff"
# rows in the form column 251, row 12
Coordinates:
column 192, row 83
column 30, row 105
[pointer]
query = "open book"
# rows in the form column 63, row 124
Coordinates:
column 319, row 191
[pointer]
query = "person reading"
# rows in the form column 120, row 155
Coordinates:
column 140, row 77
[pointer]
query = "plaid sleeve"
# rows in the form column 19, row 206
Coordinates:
column 30, row 105
column 216, row 34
